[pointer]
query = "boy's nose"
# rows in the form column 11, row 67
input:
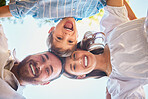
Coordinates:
column 68, row 33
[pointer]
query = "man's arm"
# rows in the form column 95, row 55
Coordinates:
column 5, row 12
column 131, row 14
column 108, row 96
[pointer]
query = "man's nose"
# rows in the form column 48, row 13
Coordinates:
column 38, row 70
column 41, row 66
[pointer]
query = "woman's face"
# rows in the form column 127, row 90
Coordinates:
column 80, row 63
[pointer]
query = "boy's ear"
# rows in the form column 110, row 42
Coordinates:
column 51, row 29
column 45, row 83
column 81, row 76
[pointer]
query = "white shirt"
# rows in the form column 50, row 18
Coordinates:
column 9, row 85
column 129, row 54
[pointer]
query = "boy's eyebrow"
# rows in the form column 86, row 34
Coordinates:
column 57, row 40
column 70, row 44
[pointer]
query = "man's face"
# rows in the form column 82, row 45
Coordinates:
column 39, row 68
column 65, row 34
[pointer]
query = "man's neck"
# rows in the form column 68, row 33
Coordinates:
column 14, row 71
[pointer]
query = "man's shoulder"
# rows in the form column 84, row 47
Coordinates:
column 7, row 92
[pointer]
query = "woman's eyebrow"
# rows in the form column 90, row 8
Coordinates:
column 71, row 67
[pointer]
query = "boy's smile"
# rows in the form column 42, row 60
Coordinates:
column 69, row 25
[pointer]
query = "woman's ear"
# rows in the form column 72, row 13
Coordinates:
column 81, row 76
column 51, row 29
column 45, row 83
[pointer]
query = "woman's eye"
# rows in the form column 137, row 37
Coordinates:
column 74, row 67
column 70, row 41
column 59, row 38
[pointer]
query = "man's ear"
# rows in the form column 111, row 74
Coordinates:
column 45, row 83
column 81, row 76
column 51, row 29
column 14, row 56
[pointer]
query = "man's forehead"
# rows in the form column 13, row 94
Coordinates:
column 45, row 52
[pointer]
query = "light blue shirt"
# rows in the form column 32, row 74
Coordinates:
column 55, row 9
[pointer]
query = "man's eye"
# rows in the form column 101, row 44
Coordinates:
column 59, row 38
column 47, row 70
column 43, row 59
column 70, row 41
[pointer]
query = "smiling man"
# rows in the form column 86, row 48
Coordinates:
column 40, row 68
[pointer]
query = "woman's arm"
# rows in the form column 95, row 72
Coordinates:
column 131, row 14
column 5, row 12
column 118, row 3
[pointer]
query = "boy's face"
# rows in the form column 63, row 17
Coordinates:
column 65, row 34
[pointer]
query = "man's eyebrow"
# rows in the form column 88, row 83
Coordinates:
column 51, row 68
column 46, row 56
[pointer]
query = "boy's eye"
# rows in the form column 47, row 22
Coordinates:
column 74, row 56
column 59, row 38
column 70, row 41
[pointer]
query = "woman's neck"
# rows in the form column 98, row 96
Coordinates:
column 103, row 61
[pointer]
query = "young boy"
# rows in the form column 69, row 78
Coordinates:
column 62, row 39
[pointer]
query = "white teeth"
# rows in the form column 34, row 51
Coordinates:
column 69, row 29
column 32, row 69
column 86, row 63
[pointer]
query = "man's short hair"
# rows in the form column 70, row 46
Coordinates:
column 63, row 63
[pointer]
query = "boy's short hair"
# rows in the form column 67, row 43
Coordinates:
column 58, row 51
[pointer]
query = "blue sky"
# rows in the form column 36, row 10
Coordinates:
column 29, row 38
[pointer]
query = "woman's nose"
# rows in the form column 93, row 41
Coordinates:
column 78, row 61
